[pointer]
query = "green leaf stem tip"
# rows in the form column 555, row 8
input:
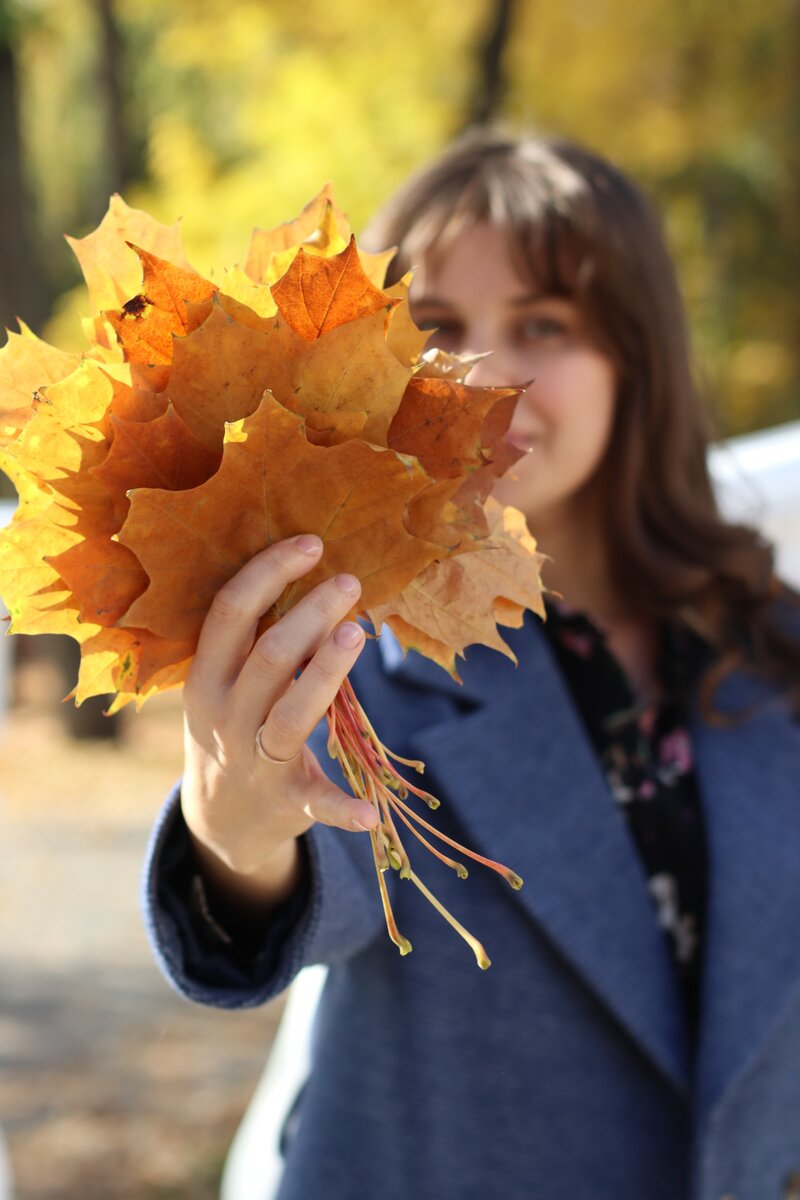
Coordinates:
column 394, row 858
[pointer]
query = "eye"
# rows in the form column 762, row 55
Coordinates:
column 538, row 328
column 445, row 334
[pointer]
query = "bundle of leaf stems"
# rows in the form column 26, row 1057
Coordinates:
column 365, row 762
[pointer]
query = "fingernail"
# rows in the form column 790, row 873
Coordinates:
column 357, row 825
column 347, row 583
column 308, row 543
column 348, row 636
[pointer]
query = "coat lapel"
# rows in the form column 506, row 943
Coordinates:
column 750, row 784
column 522, row 778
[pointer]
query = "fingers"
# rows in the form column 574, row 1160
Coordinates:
column 230, row 625
column 294, row 716
column 330, row 806
column 278, row 653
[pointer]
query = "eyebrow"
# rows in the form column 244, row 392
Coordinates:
column 514, row 302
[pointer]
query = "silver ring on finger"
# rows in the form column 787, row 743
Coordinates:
column 276, row 762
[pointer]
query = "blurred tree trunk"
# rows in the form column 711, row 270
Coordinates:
column 118, row 165
column 24, row 290
column 53, row 659
column 492, row 82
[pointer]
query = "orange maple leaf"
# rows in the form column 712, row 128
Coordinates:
column 162, row 452
column 318, row 294
column 146, row 324
column 356, row 506
column 455, row 431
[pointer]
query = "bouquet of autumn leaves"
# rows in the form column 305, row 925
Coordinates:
column 205, row 421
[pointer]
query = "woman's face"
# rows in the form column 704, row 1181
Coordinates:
column 564, row 417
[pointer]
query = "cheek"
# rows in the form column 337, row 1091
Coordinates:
column 575, row 396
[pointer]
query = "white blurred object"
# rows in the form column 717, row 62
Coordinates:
column 5, row 1172
column 757, row 478
column 254, row 1164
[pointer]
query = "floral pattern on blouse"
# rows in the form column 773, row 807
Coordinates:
column 645, row 750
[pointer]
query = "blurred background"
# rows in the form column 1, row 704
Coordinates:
column 231, row 116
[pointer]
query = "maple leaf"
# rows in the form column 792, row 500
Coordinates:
column 351, row 371
column 134, row 663
column 442, row 424
column 25, row 576
column 162, row 452
column 65, row 436
column 439, row 364
column 406, row 340
column 322, row 229
column 110, row 266
column 103, row 575
column 459, row 602
column 499, row 457
column 146, row 324
column 455, row 431
column 221, row 370
column 26, row 365
column 237, row 285
column 265, row 243
column 346, row 383
column 356, row 507
column 318, row 294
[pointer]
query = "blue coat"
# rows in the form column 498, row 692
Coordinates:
column 565, row 1071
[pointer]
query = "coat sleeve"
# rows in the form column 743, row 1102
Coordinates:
column 332, row 915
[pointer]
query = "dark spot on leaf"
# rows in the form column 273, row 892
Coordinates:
column 135, row 307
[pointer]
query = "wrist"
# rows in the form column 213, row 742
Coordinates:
column 254, row 891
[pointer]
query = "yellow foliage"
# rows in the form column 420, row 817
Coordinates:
column 244, row 108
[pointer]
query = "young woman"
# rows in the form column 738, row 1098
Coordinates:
column 638, row 1034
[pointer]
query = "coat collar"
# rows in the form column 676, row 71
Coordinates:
column 555, row 823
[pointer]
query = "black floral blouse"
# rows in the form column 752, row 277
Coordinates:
column 646, row 753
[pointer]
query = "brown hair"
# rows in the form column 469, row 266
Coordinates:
column 579, row 227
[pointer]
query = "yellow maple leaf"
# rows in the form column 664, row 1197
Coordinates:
column 26, row 365
column 111, row 268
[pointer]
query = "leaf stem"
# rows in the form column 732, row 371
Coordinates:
column 365, row 763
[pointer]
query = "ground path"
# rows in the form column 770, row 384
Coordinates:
column 111, row 1086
